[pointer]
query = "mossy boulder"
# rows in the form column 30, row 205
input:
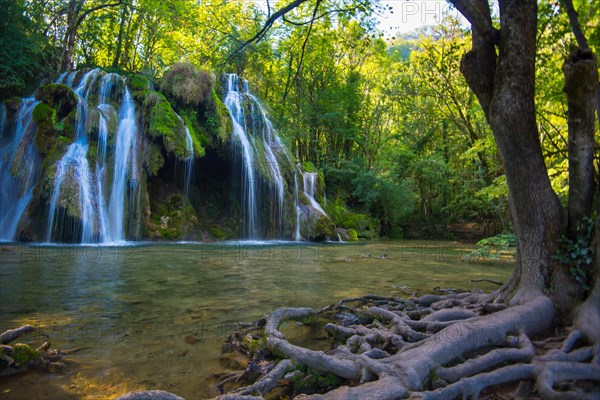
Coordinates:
column 188, row 85
column 47, row 126
column 308, row 166
column 23, row 354
column 48, row 171
column 352, row 235
column 60, row 97
column 221, row 233
column 324, row 227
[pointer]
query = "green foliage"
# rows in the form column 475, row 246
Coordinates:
column 492, row 247
column 188, row 85
column 502, row 241
column 577, row 255
column 25, row 55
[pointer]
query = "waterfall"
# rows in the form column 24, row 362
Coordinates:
column 297, row 236
column 260, row 150
column 18, row 167
column 310, row 179
column 125, row 169
column 101, row 220
column 189, row 165
column 233, row 102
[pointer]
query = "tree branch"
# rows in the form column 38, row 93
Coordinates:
column 480, row 22
column 574, row 22
column 93, row 9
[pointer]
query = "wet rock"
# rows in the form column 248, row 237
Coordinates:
column 149, row 395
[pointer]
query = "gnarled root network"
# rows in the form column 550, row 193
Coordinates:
column 435, row 347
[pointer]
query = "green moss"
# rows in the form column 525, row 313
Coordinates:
column 48, row 127
column 324, row 227
column 57, row 151
column 163, row 123
column 138, row 82
column 60, row 97
column 13, row 103
column 353, row 235
column 153, row 159
column 254, row 343
column 219, row 233
column 23, row 354
column 303, row 199
column 217, row 120
column 310, row 320
column 308, row 166
column 196, row 138
column 166, row 233
column 312, row 381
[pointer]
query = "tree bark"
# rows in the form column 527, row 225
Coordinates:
column 581, row 77
column 123, row 20
column 505, row 88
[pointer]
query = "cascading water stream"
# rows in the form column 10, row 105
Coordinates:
column 75, row 164
column 233, row 102
column 189, row 168
column 310, row 179
column 101, row 220
column 19, row 168
column 297, row 236
column 125, row 170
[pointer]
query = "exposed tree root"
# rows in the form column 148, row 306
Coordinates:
column 434, row 347
column 21, row 357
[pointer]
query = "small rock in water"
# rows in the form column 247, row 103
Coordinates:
column 191, row 339
column 149, row 395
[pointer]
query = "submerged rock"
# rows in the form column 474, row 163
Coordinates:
column 149, row 395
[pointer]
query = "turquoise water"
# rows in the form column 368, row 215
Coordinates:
column 132, row 307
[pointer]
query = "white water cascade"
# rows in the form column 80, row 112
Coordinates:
column 102, row 219
column 310, row 181
column 19, row 167
column 257, row 141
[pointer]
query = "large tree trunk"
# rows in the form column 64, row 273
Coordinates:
column 505, row 88
column 66, row 60
column 581, row 80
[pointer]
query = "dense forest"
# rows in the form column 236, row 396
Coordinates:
column 390, row 121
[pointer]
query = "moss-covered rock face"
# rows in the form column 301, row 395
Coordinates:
column 188, row 85
column 324, row 227
column 152, row 159
column 163, row 123
column 217, row 119
column 60, row 97
column 49, row 127
column 48, row 171
column 308, row 166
